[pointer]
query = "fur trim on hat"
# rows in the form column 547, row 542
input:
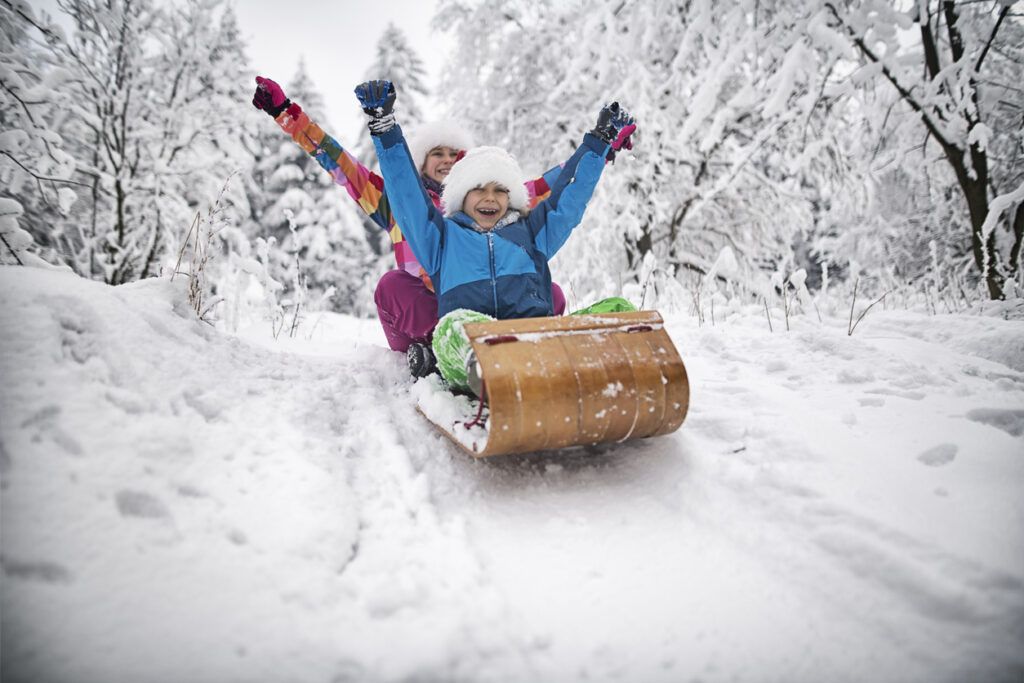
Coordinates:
column 480, row 166
column 437, row 134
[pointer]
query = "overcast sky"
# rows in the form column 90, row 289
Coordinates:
column 338, row 39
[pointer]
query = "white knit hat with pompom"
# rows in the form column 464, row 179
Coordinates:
column 482, row 165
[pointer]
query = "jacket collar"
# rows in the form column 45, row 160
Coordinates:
column 430, row 184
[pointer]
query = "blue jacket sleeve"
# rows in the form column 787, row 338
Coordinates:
column 553, row 220
column 420, row 221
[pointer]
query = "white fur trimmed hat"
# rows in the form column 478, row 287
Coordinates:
column 437, row 134
column 480, row 166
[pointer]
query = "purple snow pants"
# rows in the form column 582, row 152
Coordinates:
column 408, row 310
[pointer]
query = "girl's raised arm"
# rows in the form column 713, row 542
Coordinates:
column 362, row 184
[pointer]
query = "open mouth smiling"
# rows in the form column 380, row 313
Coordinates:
column 487, row 212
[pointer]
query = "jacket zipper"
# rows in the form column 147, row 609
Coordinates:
column 494, row 279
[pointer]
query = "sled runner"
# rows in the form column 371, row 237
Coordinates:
column 552, row 383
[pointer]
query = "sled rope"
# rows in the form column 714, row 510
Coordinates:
column 477, row 422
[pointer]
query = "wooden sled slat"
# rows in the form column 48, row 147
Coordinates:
column 577, row 380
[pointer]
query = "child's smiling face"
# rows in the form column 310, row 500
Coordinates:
column 486, row 205
column 438, row 162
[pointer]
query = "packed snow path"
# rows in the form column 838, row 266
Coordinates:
column 179, row 504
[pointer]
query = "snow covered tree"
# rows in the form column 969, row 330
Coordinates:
column 957, row 68
column 142, row 112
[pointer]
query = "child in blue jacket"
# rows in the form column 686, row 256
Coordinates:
column 487, row 251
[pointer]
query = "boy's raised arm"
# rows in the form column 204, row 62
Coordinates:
column 554, row 219
column 362, row 184
column 422, row 224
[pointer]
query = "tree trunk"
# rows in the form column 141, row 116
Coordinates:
column 1018, row 240
column 117, row 275
column 975, row 191
column 972, row 175
column 638, row 248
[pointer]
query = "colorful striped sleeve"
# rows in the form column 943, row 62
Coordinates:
column 362, row 184
column 539, row 189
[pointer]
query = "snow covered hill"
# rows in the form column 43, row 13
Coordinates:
column 183, row 505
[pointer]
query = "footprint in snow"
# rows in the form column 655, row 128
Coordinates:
column 943, row 454
column 1010, row 421
column 44, row 572
column 209, row 409
column 43, row 424
column 139, row 504
column 850, row 376
column 78, row 334
column 909, row 395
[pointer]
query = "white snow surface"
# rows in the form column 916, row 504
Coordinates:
column 179, row 504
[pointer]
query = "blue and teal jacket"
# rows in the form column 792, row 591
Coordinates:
column 504, row 272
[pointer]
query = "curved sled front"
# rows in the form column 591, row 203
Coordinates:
column 577, row 380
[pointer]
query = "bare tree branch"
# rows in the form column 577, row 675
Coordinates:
column 891, row 77
column 39, row 177
column 11, row 249
column 988, row 44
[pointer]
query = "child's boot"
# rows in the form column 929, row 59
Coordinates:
column 421, row 360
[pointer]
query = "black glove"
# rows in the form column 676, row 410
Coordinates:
column 610, row 121
column 378, row 101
